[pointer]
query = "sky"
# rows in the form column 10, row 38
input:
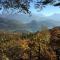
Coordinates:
column 49, row 10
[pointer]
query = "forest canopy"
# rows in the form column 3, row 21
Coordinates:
column 24, row 5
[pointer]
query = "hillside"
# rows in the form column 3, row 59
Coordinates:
column 32, row 26
column 11, row 25
column 36, row 25
column 44, row 45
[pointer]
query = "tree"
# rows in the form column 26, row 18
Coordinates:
column 42, row 45
column 24, row 5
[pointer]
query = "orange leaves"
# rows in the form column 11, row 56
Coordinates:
column 31, row 45
column 23, row 43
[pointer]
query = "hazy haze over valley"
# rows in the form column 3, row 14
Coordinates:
column 23, row 22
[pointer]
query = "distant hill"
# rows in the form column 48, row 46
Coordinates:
column 36, row 25
column 11, row 25
column 32, row 26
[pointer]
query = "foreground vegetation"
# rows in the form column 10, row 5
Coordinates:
column 44, row 45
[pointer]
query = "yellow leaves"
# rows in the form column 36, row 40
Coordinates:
column 45, row 35
column 25, row 56
column 23, row 43
column 35, row 44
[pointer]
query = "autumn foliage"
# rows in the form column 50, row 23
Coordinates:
column 31, row 46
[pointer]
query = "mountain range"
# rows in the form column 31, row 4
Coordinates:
column 32, row 26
